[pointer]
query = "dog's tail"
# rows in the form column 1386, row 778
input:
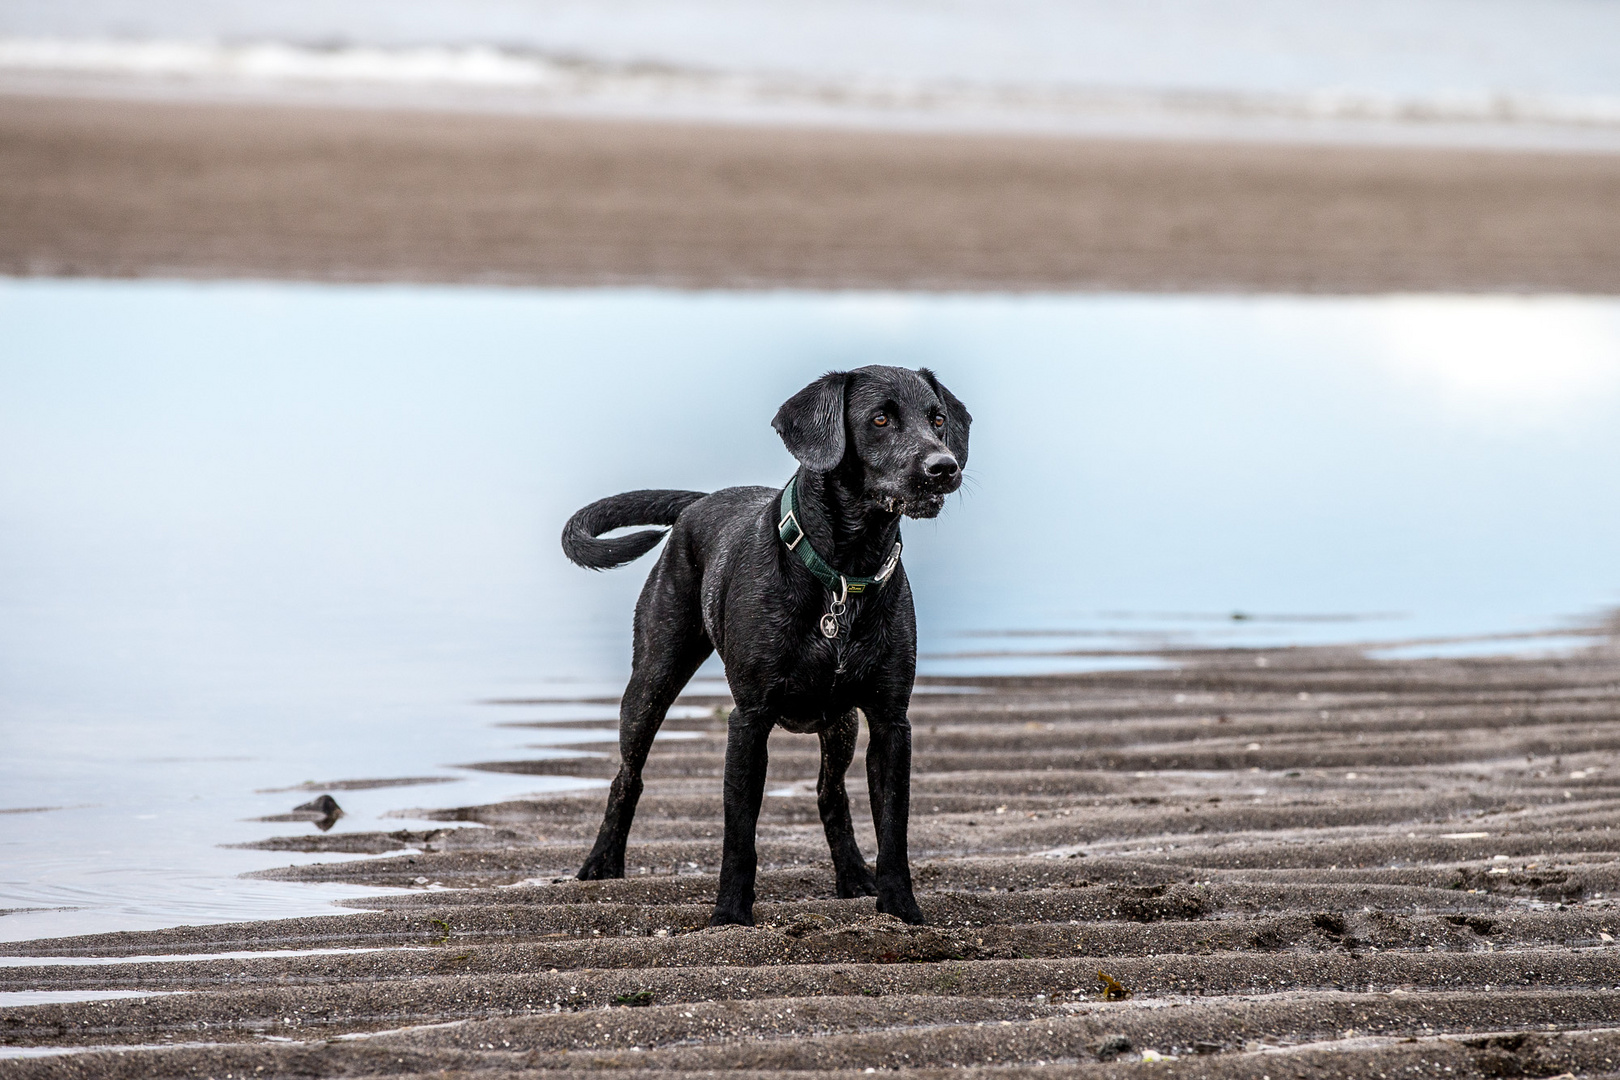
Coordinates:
column 581, row 536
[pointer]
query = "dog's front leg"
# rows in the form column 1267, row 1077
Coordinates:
column 888, row 772
column 832, row 799
column 745, row 787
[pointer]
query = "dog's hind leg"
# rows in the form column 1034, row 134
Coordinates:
column 646, row 701
column 837, row 751
column 670, row 646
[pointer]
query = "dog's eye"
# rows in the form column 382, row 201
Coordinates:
column 881, row 420
column 939, row 421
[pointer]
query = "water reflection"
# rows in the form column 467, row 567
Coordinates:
column 322, row 812
column 255, row 535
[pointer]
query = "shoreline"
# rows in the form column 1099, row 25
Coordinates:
column 1115, row 115
column 158, row 189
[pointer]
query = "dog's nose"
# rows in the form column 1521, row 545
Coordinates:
column 940, row 466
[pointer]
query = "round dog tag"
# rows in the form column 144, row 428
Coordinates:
column 829, row 625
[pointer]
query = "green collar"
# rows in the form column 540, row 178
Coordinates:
column 792, row 534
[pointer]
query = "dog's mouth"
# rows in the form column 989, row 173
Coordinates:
column 915, row 506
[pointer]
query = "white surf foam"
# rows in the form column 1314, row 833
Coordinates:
column 485, row 76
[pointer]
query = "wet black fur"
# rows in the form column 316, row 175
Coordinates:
column 726, row 582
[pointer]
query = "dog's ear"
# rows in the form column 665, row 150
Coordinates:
column 811, row 423
column 957, row 418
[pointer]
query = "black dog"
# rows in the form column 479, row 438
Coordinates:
column 802, row 592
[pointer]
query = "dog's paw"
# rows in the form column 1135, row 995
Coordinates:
column 858, row 883
column 731, row 917
column 601, row 869
column 906, row 910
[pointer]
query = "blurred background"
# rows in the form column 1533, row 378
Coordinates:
column 1467, row 70
column 1282, row 324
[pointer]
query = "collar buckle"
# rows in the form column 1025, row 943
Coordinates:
column 889, row 565
column 797, row 532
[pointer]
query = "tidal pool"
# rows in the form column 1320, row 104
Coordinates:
column 253, row 535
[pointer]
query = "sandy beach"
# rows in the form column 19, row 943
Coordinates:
column 121, row 188
column 1288, row 862
column 1297, row 862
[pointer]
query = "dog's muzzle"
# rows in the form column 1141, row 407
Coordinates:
column 938, row 476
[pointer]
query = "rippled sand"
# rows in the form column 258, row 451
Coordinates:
column 1323, row 866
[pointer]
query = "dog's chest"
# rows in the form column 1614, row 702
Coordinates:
column 821, row 679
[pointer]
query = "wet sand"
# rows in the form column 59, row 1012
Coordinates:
column 110, row 188
column 1301, row 863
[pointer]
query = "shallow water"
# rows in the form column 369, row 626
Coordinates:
column 253, row 535
column 174, row 958
column 14, row 998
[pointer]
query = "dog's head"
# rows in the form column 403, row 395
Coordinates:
column 905, row 433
